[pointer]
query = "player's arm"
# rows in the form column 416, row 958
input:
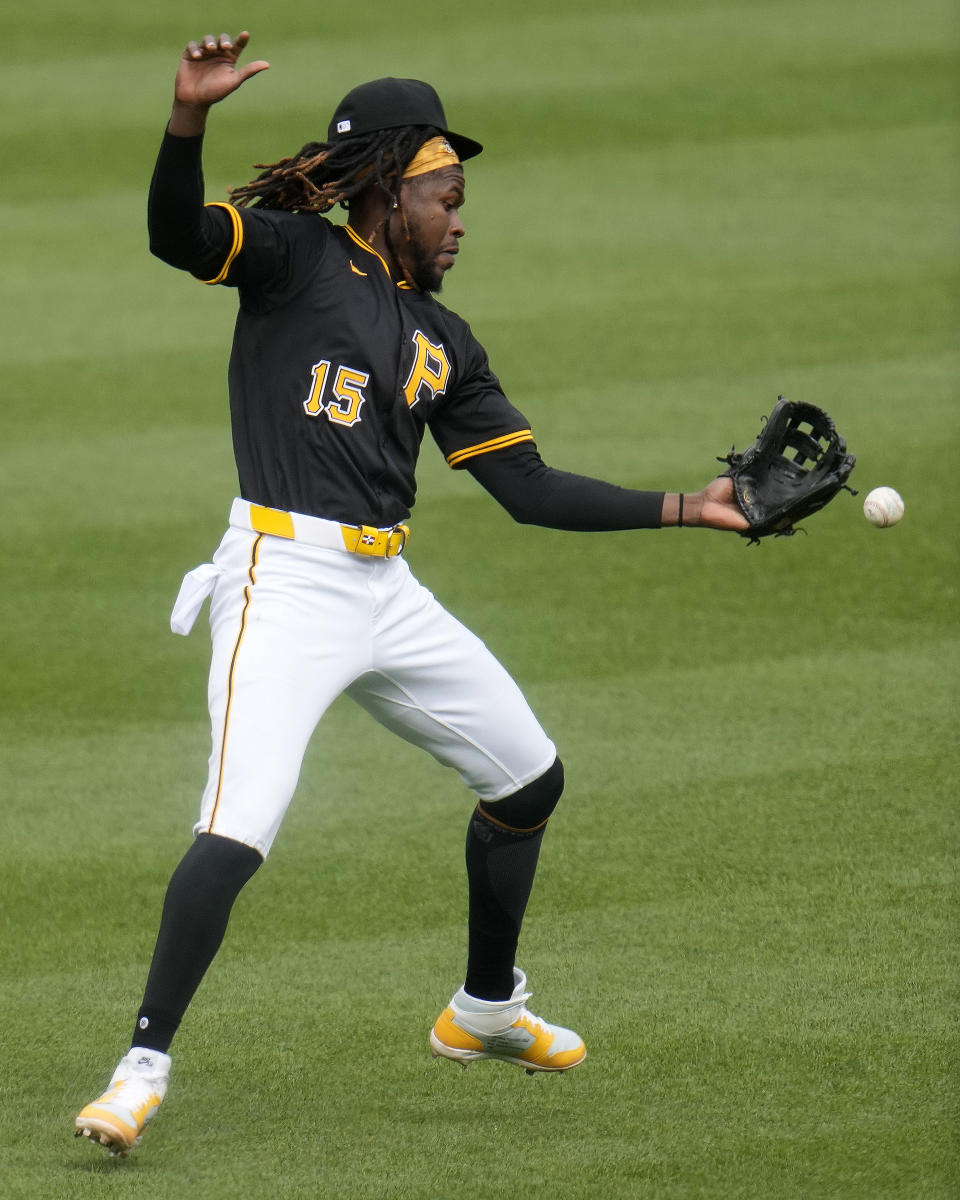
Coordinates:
column 183, row 232
column 537, row 494
column 480, row 431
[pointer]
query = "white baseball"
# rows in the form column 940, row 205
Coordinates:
column 882, row 507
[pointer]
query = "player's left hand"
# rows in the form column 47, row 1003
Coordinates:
column 715, row 507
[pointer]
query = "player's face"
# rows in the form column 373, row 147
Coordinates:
column 429, row 245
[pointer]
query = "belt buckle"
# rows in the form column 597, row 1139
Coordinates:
column 397, row 540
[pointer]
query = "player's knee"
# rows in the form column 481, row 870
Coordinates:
column 224, row 859
column 533, row 805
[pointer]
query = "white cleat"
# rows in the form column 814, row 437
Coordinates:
column 117, row 1119
column 469, row 1029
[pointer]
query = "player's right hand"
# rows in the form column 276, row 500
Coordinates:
column 208, row 70
column 715, row 507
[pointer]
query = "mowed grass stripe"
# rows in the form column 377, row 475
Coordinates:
column 700, row 64
column 704, row 223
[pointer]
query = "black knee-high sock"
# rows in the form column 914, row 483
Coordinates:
column 196, row 909
column 502, row 849
column 500, row 871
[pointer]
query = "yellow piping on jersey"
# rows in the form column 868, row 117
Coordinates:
column 500, row 443
column 366, row 246
column 237, row 240
column 254, row 555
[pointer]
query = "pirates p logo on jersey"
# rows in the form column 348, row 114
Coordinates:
column 429, row 373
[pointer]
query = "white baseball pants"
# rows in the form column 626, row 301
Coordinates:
column 293, row 626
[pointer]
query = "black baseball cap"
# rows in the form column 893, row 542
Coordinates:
column 389, row 103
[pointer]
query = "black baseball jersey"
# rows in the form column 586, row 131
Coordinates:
column 336, row 371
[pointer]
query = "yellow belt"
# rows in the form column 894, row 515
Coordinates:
column 329, row 535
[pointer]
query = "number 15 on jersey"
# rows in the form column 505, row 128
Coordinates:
column 347, row 397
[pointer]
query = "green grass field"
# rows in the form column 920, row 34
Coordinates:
column 747, row 902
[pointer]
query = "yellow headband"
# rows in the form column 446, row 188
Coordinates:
column 432, row 156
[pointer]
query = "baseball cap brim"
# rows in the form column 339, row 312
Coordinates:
column 464, row 146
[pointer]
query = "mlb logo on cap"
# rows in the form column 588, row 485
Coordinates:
column 343, row 127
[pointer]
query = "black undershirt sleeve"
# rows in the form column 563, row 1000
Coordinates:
column 182, row 231
column 535, row 494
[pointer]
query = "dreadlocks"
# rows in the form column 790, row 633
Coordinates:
column 323, row 174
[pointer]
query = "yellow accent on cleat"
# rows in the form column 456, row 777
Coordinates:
column 111, row 1124
column 452, row 1035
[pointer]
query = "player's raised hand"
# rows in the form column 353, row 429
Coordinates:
column 208, row 72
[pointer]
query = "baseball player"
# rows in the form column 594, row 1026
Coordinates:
column 342, row 359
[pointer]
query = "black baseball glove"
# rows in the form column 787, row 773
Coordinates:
column 797, row 465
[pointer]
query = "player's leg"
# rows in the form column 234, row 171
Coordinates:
column 438, row 686
column 197, row 906
column 274, row 670
column 196, row 909
column 487, row 1017
column 502, row 850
